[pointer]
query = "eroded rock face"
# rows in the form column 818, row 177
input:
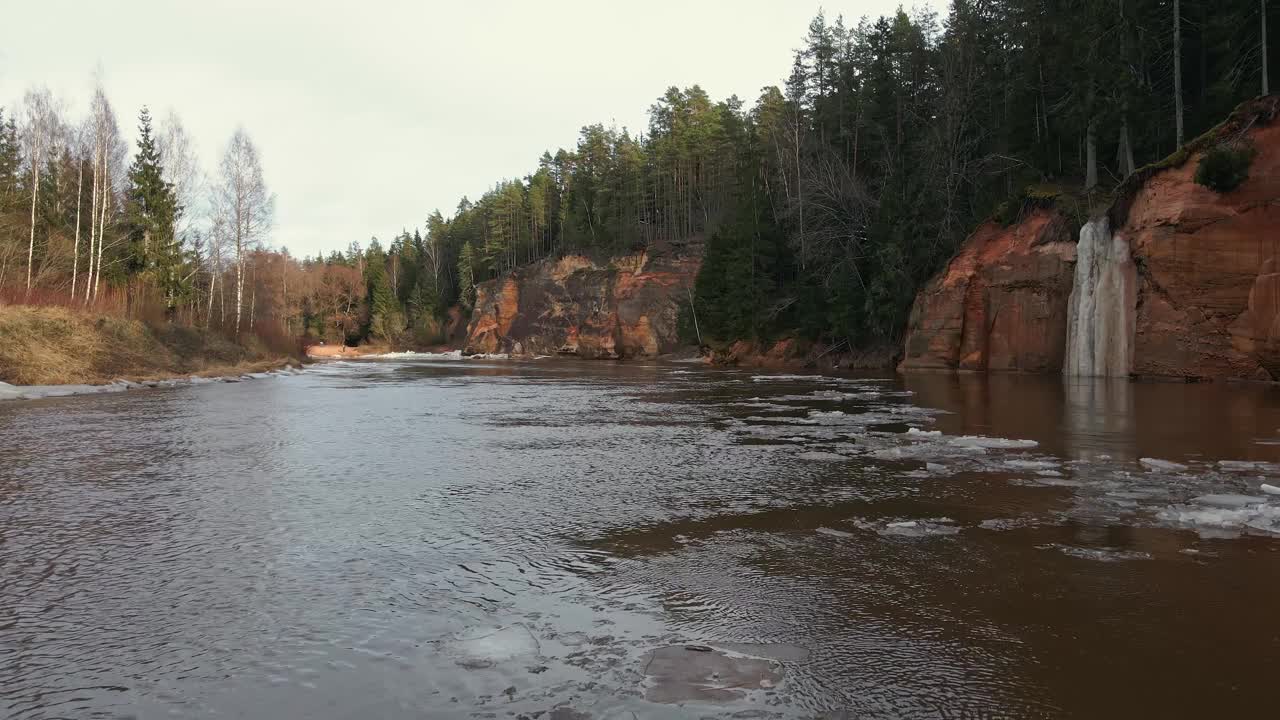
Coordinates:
column 1208, row 289
column 573, row 306
column 1001, row 304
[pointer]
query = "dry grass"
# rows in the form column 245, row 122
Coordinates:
column 56, row 345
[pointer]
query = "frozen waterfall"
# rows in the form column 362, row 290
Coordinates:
column 1100, row 317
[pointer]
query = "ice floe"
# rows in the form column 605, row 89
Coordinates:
column 480, row 648
column 1098, row 554
column 1225, row 522
column 992, row 443
column 906, row 528
column 1161, row 465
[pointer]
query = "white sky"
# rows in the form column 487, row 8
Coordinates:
column 370, row 114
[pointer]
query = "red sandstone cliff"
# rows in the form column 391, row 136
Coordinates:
column 1208, row 291
column 573, row 306
column 1001, row 303
column 1207, row 303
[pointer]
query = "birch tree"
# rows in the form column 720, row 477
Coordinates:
column 79, row 154
column 181, row 168
column 108, row 153
column 244, row 205
column 40, row 120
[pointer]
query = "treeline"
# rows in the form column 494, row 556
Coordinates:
column 88, row 221
column 821, row 207
column 826, row 204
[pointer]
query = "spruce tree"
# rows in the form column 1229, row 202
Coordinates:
column 151, row 207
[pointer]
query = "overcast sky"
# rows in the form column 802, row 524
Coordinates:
column 370, row 114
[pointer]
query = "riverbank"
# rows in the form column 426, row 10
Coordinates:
column 53, row 346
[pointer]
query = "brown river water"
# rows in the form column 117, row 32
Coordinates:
column 444, row 538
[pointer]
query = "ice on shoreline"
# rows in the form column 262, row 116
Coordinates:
column 40, row 392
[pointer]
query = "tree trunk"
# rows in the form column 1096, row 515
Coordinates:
column 239, row 287
column 799, row 192
column 75, row 249
column 93, row 230
column 1091, row 145
column 1091, row 156
column 1266, row 86
column 1124, row 151
column 1177, row 68
column 35, row 193
column 213, row 285
column 102, row 232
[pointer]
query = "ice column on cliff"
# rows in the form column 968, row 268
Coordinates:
column 1101, row 310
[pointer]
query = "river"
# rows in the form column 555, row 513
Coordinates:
column 438, row 537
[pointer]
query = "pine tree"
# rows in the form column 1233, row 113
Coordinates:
column 466, row 275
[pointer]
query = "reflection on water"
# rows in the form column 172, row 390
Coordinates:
column 447, row 538
column 1099, row 415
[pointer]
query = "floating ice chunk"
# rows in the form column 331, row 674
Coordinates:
column 1240, row 465
column 833, row 533
column 1229, row 500
column 1002, row 524
column 1270, row 489
column 1049, row 481
column 677, row 675
column 486, row 647
column 918, row 433
column 1031, row 464
column 910, row 528
column 978, row 441
column 935, row 467
column 1049, row 473
column 1099, row 554
column 1224, row 521
column 1163, row 465
column 819, row 455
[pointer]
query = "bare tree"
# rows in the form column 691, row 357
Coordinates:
column 217, row 241
column 181, row 169
column 243, row 203
column 40, row 121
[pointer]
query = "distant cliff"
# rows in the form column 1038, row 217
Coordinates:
column 628, row 307
column 1177, row 280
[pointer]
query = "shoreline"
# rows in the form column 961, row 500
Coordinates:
column 240, row 372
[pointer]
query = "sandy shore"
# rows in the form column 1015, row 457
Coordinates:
column 342, row 351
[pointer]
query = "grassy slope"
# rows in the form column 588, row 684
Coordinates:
column 54, row 346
